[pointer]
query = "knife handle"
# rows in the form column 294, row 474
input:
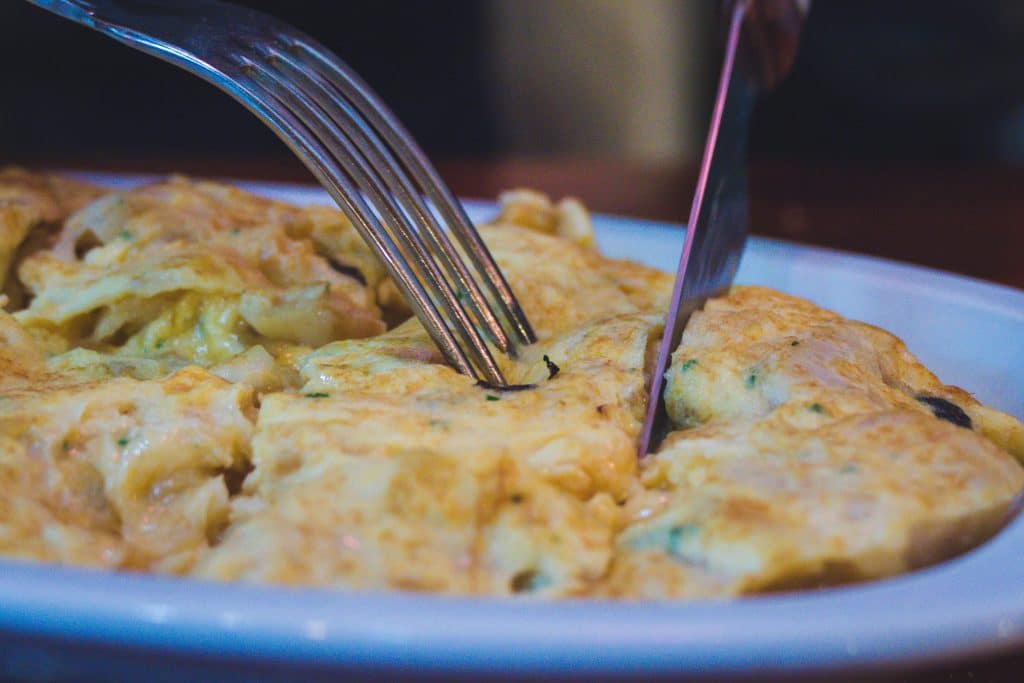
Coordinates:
column 770, row 37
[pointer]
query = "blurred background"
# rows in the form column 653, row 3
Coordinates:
column 900, row 129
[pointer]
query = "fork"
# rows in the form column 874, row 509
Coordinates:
column 353, row 144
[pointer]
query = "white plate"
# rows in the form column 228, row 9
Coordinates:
column 59, row 621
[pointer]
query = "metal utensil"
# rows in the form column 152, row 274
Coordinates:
column 759, row 49
column 353, row 144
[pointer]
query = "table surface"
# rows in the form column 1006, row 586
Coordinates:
column 964, row 220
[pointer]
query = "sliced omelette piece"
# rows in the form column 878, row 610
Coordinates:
column 759, row 350
column 759, row 505
column 319, row 512
column 814, row 450
column 194, row 271
column 520, row 486
column 21, row 361
column 548, row 252
column 32, row 208
column 559, row 285
column 54, row 515
column 567, row 219
column 648, row 289
column 142, row 463
column 404, row 474
column 528, row 233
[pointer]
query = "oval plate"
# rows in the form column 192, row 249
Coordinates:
column 57, row 622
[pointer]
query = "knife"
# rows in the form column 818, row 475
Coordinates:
column 760, row 47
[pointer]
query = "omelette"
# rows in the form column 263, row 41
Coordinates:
column 200, row 382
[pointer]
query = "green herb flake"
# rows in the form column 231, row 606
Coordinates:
column 125, row 235
column 688, row 365
column 317, row 394
column 795, row 342
column 751, row 380
column 492, row 397
column 123, row 441
column 516, row 498
column 160, row 344
column 461, row 295
column 816, row 408
column 65, row 446
column 680, row 537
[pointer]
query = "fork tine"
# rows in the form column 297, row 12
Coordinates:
column 333, row 137
column 380, row 158
column 362, row 98
column 334, row 178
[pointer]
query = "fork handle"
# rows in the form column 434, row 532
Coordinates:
column 770, row 37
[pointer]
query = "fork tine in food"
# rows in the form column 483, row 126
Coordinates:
column 333, row 137
column 380, row 158
column 334, row 178
column 405, row 149
column 354, row 146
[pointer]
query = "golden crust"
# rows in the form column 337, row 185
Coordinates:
column 195, row 272
column 759, row 505
column 759, row 350
column 404, row 474
column 810, row 454
column 810, row 448
column 32, row 206
column 568, row 219
column 141, row 462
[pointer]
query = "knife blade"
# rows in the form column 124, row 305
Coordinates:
column 719, row 216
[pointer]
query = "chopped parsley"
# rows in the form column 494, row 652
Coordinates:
column 317, row 394
column 461, row 295
column 679, row 537
column 125, row 235
column 751, row 380
column 123, row 441
column 688, row 365
column 492, row 397
column 679, row 541
column 816, row 408
column 552, row 368
column 65, row 445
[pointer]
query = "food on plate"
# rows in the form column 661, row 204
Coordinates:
column 812, row 450
column 201, row 382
